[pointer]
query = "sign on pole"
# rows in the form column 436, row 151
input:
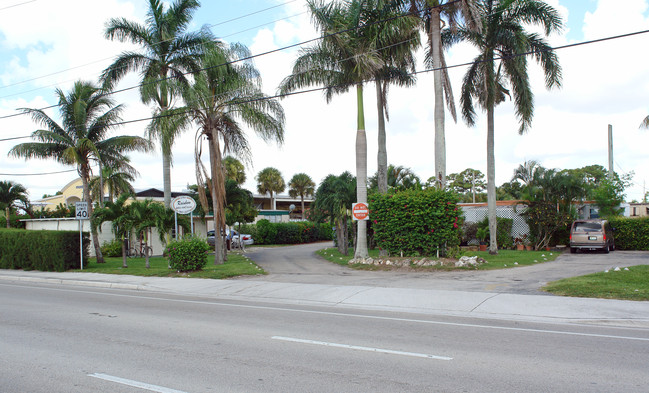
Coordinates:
column 183, row 205
column 81, row 209
column 360, row 211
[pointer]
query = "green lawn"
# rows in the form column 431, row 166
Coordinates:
column 632, row 284
column 503, row 260
column 236, row 265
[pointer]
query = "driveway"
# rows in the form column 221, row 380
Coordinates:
column 300, row 264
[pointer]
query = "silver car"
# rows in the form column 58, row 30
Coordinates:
column 247, row 239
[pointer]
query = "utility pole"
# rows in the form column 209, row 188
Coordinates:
column 610, row 152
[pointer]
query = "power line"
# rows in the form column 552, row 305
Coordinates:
column 37, row 174
column 16, row 5
column 159, row 42
column 265, row 53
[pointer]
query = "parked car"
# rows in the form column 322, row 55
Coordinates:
column 247, row 239
column 591, row 235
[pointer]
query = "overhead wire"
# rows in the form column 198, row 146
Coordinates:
column 156, row 43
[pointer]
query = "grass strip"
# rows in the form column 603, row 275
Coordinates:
column 631, row 284
column 236, row 265
column 505, row 259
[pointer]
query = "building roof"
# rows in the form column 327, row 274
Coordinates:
column 155, row 193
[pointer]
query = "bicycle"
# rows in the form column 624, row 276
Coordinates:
column 140, row 252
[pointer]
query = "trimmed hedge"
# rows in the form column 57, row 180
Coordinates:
column 187, row 254
column 631, row 233
column 266, row 232
column 42, row 250
column 415, row 222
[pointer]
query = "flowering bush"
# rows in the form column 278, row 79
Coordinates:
column 187, row 254
column 415, row 222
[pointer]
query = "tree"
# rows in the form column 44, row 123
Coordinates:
column 397, row 54
column 503, row 45
column 346, row 56
column 167, row 53
column 434, row 15
column 526, row 172
column 224, row 96
column 399, row 177
column 117, row 213
column 645, row 123
column 609, row 195
column 240, row 204
column 88, row 116
column 234, row 170
column 147, row 214
column 469, row 180
column 334, row 199
column 117, row 181
column 269, row 180
column 301, row 185
column 12, row 196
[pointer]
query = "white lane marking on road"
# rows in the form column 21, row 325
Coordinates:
column 369, row 349
column 216, row 302
column 135, row 384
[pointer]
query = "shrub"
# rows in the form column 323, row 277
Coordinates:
column 41, row 250
column 631, row 233
column 266, row 232
column 503, row 229
column 469, row 232
column 187, row 254
column 112, row 248
column 415, row 222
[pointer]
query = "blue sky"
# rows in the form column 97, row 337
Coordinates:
column 44, row 45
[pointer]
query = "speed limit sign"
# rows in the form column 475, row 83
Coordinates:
column 82, row 210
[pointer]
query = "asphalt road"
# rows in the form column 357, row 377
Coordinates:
column 300, row 264
column 72, row 339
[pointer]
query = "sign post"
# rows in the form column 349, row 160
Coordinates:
column 184, row 205
column 360, row 211
column 81, row 209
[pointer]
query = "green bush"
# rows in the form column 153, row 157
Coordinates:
column 41, row 250
column 265, row 232
column 631, row 233
column 112, row 248
column 187, row 254
column 415, row 222
column 503, row 229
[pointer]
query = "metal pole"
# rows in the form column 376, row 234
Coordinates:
column 191, row 221
column 610, row 152
column 81, row 243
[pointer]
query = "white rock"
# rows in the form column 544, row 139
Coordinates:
column 626, row 268
column 515, row 263
column 617, row 269
column 606, row 271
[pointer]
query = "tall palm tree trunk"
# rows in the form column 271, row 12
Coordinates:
column 382, row 156
column 491, row 183
column 166, row 178
column 302, row 205
column 361, row 174
column 86, row 196
column 218, row 196
column 440, row 138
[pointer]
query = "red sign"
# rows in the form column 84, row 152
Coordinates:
column 360, row 211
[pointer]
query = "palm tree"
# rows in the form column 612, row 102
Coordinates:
column 435, row 14
column 526, row 172
column 117, row 213
column 147, row 214
column 334, row 198
column 88, row 116
column 234, row 170
column 645, row 123
column 221, row 99
column 10, row 195
column 398, row 177
column 269, row 180
column 503, row 45
column 115, row 180
column 301, row 185
column 397, row 53
column 167, row 51
column 346, row 56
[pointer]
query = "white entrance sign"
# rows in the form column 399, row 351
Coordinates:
column 183, row 204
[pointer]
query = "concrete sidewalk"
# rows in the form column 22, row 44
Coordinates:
column 423, row 301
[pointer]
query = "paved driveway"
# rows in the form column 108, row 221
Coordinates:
column 300, row 264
